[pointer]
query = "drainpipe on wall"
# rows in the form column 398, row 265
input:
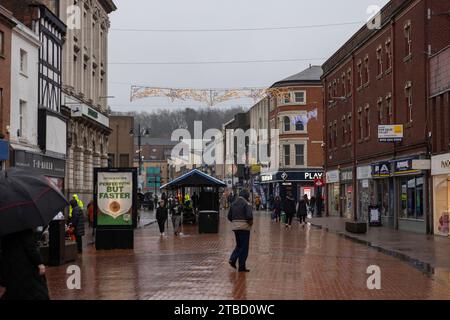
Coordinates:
column 429, row 178
column 325, row 148
column 354, row 119
column 395, row 206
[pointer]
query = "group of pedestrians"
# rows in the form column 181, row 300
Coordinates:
column 291, row 208
column 176, row 207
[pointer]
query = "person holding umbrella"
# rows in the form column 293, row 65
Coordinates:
column 27, row 202
column 23, row 271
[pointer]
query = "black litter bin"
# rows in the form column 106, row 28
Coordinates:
column 208, row 221
column 57, row 243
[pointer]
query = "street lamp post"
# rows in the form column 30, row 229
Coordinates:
column 141, row 132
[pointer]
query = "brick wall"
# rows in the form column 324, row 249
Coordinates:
column 411, row 70
column 5, row 72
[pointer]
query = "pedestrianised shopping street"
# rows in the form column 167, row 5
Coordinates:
column 299, row 263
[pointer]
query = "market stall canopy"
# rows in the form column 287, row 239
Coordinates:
column 194, row 178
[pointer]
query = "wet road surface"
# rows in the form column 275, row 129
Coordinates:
column 299, row 263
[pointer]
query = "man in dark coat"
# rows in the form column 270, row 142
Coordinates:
column 22, row 269
column 161, row 216
column 302, row 210
column 78, row 224
column 289, row 209
column 195, row 200
column 241, row 216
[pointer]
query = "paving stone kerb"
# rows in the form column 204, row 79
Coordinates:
column 424, row 252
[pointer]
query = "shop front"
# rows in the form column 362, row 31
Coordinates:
column 440, row 171
column 346, row 192
column 296, row 183
column 366, row 194
column 52, row 168
column 384, row 192
column 333, row 198
column 411, row 186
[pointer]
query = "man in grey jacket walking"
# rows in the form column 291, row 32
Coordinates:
column 241, row 216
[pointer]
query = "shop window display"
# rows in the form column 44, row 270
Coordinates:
column 382, row 187
column 441, row 188
column 412, row 197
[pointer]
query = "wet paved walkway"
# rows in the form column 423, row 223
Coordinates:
column 300, row 263
column 426, row 252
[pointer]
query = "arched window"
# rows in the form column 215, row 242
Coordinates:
column 299, row 126
column 287, row 124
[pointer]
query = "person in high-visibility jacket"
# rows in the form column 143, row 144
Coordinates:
column 80, row 205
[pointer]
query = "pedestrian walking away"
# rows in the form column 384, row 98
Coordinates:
column 78, row 224
column 312, row 206
column 257, row 202
column 241, row 217
column 277, row 208
column 176, row 211
column 302, row 210
column 22, row 269
column 161, row 216
column 195, row 201
column 289, row 209
column 90, row 209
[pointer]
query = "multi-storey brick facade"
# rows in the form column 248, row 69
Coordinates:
column 296, row 111
column 379, row 77
column 6, row 25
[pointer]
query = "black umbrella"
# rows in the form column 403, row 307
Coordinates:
column 27, row 201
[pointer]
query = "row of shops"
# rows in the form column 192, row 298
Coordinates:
column 295, row 182
column 399, row 191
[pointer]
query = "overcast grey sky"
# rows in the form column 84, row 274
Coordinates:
column 305, row 43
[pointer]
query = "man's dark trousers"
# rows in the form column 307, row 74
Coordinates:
column 241, row 251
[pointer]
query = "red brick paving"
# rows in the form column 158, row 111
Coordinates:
column 285, row 264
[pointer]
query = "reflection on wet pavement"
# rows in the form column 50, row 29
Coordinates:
column 300, row 263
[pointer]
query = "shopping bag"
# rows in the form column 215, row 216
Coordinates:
column 310, row 212
column 283, row 217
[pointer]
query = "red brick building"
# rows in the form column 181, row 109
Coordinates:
column 296, row 110
column 6, row 25
column 379, row 77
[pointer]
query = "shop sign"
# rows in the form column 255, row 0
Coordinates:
column 313, row 175
column 284, row 176
column 381, row 170
column 365, row 183
column 80, row 110
column 114, row 196
column 267, row 177
column 40, row 164
column 346, row 175
column 440, row 164
column 421, row 164
column 374, row 216
column 319, row 182
column 390, row 133
column 404, row 167
column 332, row 176
column 364, row 173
